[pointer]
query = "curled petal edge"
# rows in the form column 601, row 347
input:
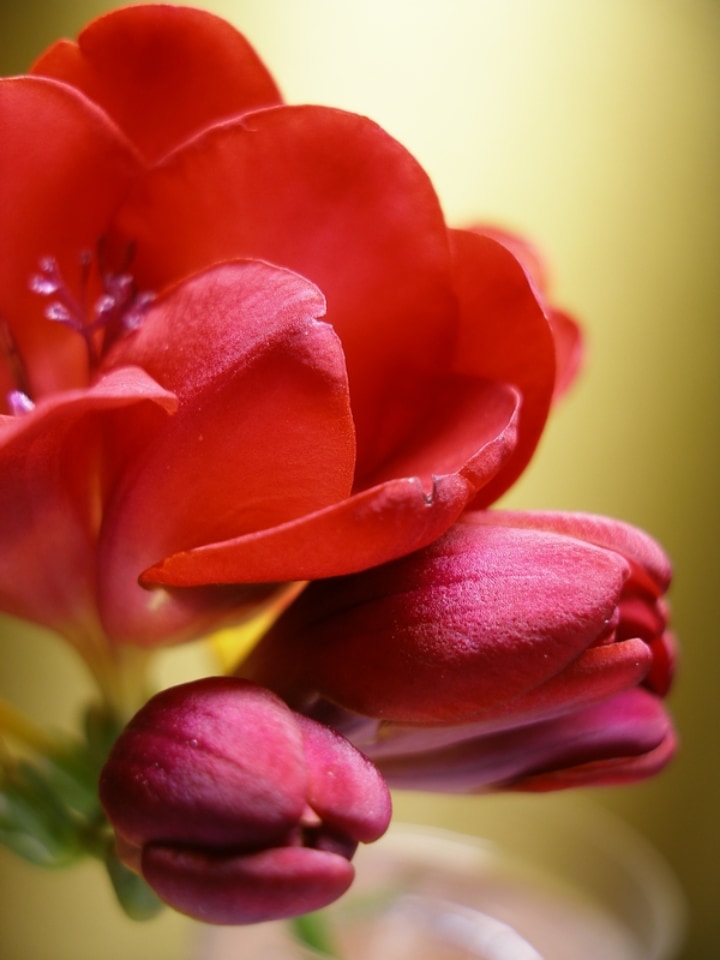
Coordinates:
column 380, row 524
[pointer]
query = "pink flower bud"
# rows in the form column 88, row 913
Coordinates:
column 235, row 809
column 509, row 650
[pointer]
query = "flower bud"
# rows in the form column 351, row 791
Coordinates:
column 516, row 647
column 236, row 810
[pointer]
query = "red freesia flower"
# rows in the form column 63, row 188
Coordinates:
column 178, row 457
column 239, row 347
column 236, row 810
column 519, row 650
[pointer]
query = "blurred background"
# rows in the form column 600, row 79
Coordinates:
column 594, row 129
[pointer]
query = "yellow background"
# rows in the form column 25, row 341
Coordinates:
column 592, row 127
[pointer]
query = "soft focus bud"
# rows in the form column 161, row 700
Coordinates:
column 235, row 809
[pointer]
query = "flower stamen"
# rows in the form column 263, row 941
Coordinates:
column 116, row 311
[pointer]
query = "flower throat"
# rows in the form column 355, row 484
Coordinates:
column 117, row 310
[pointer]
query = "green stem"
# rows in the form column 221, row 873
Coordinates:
column 313, row 931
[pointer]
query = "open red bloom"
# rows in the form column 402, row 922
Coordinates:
column 519, row 649
column 178, row 458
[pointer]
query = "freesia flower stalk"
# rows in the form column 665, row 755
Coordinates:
column 240, row 349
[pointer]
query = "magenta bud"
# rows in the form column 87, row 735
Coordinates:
column 520, row 650
column 234, row 808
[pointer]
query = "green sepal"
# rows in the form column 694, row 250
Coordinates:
column 73, row 770
column 133, row 894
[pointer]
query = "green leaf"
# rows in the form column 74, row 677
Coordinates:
column 34, row 823
column 312, row 930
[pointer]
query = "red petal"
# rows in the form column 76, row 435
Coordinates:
column 504, row 336
column 569, row 350
column 527, row 253
column 162, row 73
column 263, row 435
column 332, row 196
column 566, row 333
column 63, row 168
column 379, row 524
column 50, row 483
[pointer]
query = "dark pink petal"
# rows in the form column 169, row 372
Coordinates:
column 664, row 663
column 374, row 526
column 215, row 762
column 650, row 565
column 504, row 336
column 51, row 490
column 614, row 771
column 332, row 196
column 247, row 888
column 63, row 169
column 601, row 675
column 236, row 810
column 344, row 788
column 478, row 619
column 623, row 738
column 263, row 435
column 640, row 617
column 162, row 72
column 601, row 672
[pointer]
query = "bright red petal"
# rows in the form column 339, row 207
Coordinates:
column 50, row 485
column 379, row 524
column 504, row 336
column 569, row 350
column 162, row 73
column 263, row 435
column 63, row 168
column 328, row 194
column 566, row 333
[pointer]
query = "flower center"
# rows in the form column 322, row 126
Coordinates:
column 117, row 311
